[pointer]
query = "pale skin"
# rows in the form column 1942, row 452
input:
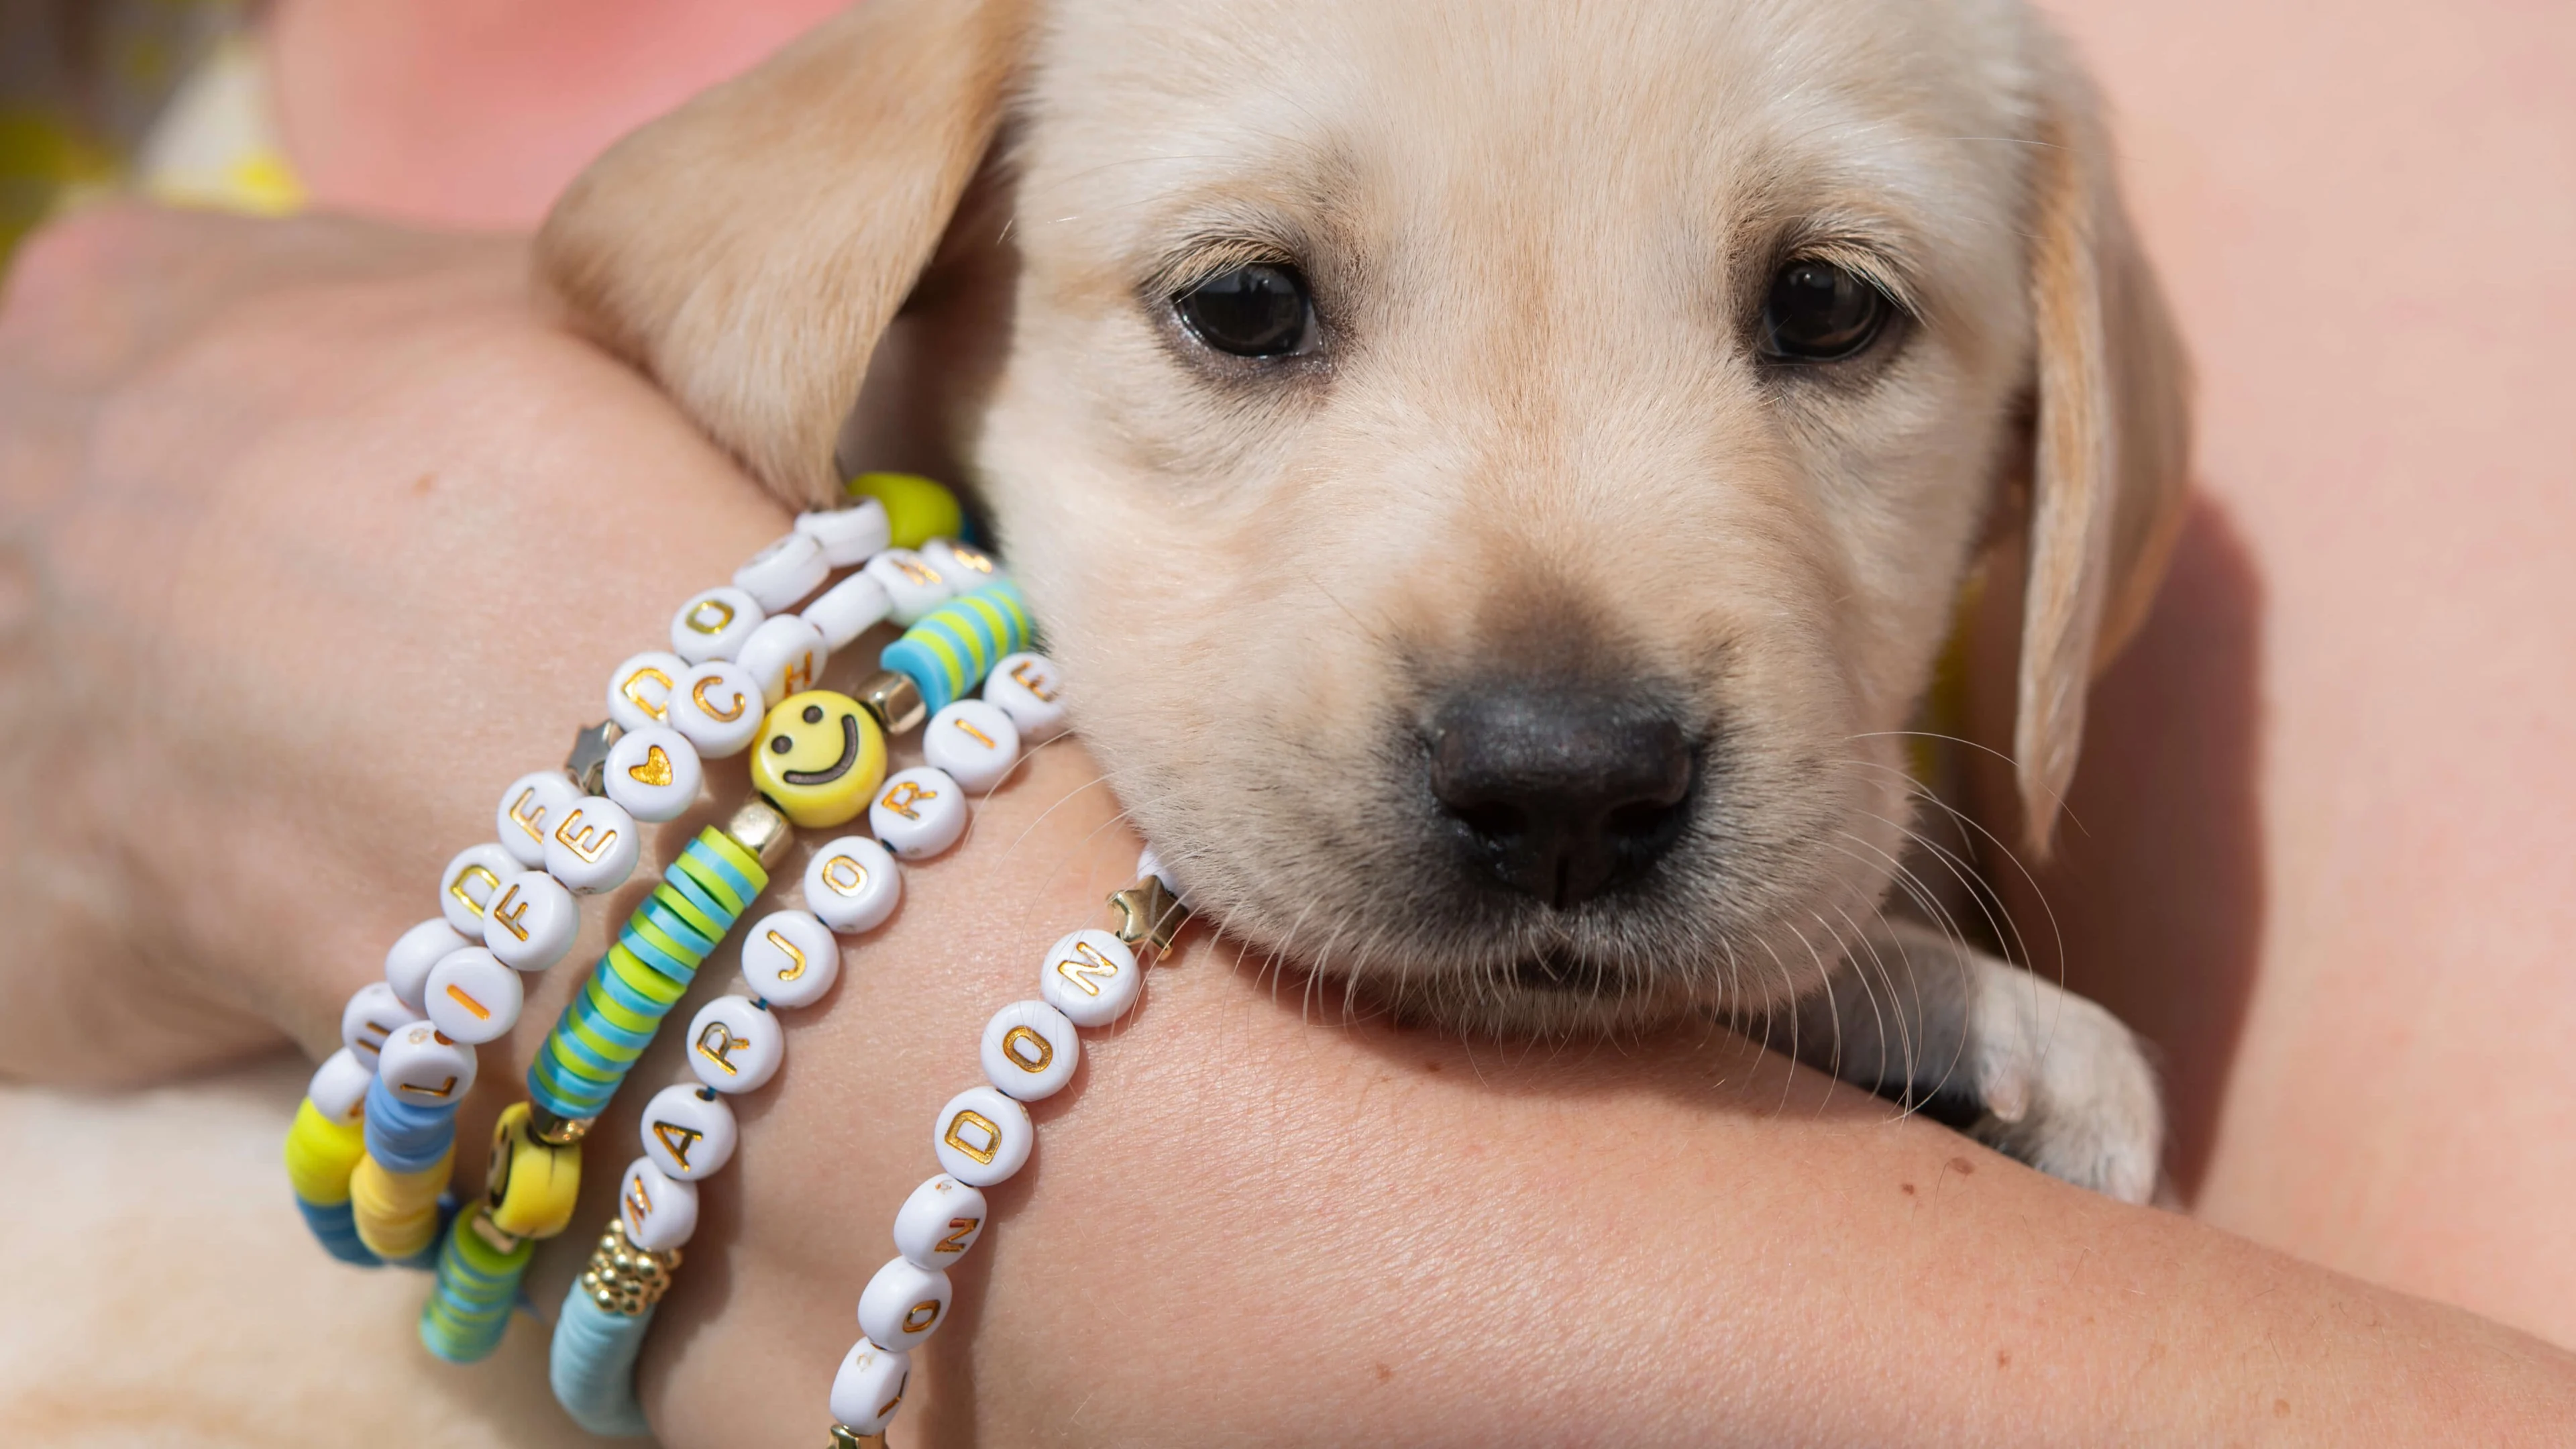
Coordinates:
column 318, row 514
column 180, row 462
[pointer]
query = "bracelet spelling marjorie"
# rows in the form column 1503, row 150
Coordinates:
column 374, row 1140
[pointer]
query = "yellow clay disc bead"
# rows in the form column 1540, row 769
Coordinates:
column 818, row 758
column 320, row 1155
column 917, row 509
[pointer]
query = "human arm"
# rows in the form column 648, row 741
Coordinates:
column 327, row 536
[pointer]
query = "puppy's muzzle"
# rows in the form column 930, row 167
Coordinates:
column 1558, row 790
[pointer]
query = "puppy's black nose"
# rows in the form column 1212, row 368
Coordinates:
column 1559, row 792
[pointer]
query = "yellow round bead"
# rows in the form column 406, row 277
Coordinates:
column 819, row 758
column 917, row 509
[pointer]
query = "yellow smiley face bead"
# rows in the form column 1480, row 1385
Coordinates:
column 819, row 757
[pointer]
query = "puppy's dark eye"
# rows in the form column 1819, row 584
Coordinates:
column 1817, row 312
column 1262, row 310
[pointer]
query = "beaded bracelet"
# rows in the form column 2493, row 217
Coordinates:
column 370, row 1152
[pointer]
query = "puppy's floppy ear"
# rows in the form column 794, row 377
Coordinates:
column 747, row 249
column 2112, row 437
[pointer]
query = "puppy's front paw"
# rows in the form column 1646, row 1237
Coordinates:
column 2066, row 1087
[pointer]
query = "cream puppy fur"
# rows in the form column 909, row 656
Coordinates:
column 1497, row 474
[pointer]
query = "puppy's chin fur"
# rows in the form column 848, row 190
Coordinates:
column 1537, row 432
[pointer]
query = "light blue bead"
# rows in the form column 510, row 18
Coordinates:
column 592, row 1366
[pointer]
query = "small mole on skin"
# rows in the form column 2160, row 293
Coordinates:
column 424, row 482
column 1431, row 1066
column 2002, row 1359
column 1963, row 1167
column 2280, row 1408
column 1385, row 1373
column 1906, row 1188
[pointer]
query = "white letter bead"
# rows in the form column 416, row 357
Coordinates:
column 785, row 656
column 912, row 586
column 526, row 806
column 848, row 535
column 982, row 1137
column 717, row 707
column 919, row 813
column 639, row 693
column 593, row 847
column 688, row 1132
column 852, row 885
column 903, row 1304
column 415, row 951
column 531, row 923
column 713, row 625
column 1030, row 1050
column 779, row 575
column 735, row 1046
column 1029, row 689
column 1091, row 977
column 465, row 888
column 423, row 1067
column 660, row 1210
column 790, row 959
column 653, row 773
column 868, row 1387
column 974, row 742
column 339, row 1087
column 939, row 1222
column 966, row 569
column 371, row 1018
column 848, row 609
column 473, row 998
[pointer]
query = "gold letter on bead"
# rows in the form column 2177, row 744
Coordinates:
column 800, row 675
column 905, row 795
column 1033, row 685
column 845, row 876
column 709, row 616
column 919, row 1317
column 633, row 689
column 457, row 994
column 1018, row 1037
column 698, row 692
column 678, row 1140
column 919, row 573
column 1085, row 963
column 955, row 1242
column 638, row 1202
column 717, row 1042
column 791, row 973
column 590, row 845
column 501, row 912
column 529, row 817
column 968, row 1117
column 456, row 887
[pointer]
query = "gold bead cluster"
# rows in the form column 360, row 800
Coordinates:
column 625, row 1279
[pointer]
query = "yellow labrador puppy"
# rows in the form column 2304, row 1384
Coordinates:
column 1497, row 473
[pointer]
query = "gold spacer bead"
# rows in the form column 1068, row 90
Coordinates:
column 761, row 829
column 623, row 1278
column 845, row 1437
column 895, row 700
column 557, row 1131
column 1148, row 912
